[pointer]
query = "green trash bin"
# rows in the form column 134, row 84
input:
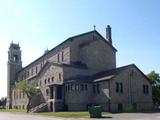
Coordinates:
column 95, row 111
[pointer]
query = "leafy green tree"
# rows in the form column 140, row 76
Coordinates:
column 29, row 88
column 155, row 81
column 154, row 78
column 3, row 102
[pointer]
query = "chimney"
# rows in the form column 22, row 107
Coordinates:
column 109, row 34
column 46, row 51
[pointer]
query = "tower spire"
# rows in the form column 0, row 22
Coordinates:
column 13, row 66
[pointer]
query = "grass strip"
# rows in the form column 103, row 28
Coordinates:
column 66, row 114
column 70, row 114
column 13, row 110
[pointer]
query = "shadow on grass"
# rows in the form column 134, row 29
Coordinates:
column 104, row 117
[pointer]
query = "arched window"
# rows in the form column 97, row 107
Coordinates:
column 58, row 60
column 60, row 77
column 47, row 92
column 36, row 69
column 62, row 56
column 48, row 80
column 45, row 81
column 15, row 58
column 52, row 79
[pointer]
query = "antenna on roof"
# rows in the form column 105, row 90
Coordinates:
column 94, row 26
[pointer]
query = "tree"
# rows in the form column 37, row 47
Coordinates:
column 3, row 102
column 155, row 81
column 154, row 78
column 29, row 88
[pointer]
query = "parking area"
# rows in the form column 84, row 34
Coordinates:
column 122, row 116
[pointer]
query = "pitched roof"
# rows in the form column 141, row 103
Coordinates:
column 58, row 65
column 104, row 78
column 69, row 39
column 114, row 71
column 107, row 75
column 100, row 76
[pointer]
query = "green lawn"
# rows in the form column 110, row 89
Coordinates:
column 13, row 110
column 70, row 114
column 66, row 114
column 57, row 114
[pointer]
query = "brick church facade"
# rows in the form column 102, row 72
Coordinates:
column 79, row 72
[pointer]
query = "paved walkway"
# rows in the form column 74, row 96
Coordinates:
column 122, row 116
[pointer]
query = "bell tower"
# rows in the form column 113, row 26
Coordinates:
column 13, row 66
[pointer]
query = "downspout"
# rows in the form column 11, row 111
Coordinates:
column 109, row 102
column 130, row 86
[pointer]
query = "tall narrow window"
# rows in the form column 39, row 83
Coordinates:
column 48, row 80
column 58, row 60
column 36, row 69
column 45, row 81
column 98, row 89
column 47, row 92
column 86, row 87
column 15, row 58
column 32, row 71
column 72, row 87
column 82, row 87
column 62, row 56
column 145, row 89
column 60, row 77
column 52, row 79
column 119, row 87
column 77, row 87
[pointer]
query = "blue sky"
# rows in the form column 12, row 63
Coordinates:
column 41, row 24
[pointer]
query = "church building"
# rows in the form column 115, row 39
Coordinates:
column 78, row 73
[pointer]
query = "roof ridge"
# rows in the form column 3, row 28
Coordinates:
column 70, row 38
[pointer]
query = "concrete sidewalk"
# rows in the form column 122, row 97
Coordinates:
column 122, row 116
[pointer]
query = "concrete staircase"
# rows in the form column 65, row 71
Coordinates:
column 41, row 107
column 37, row 108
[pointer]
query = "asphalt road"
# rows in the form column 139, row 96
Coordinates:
column 122, row 116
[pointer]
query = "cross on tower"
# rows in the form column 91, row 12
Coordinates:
column 94, row 27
